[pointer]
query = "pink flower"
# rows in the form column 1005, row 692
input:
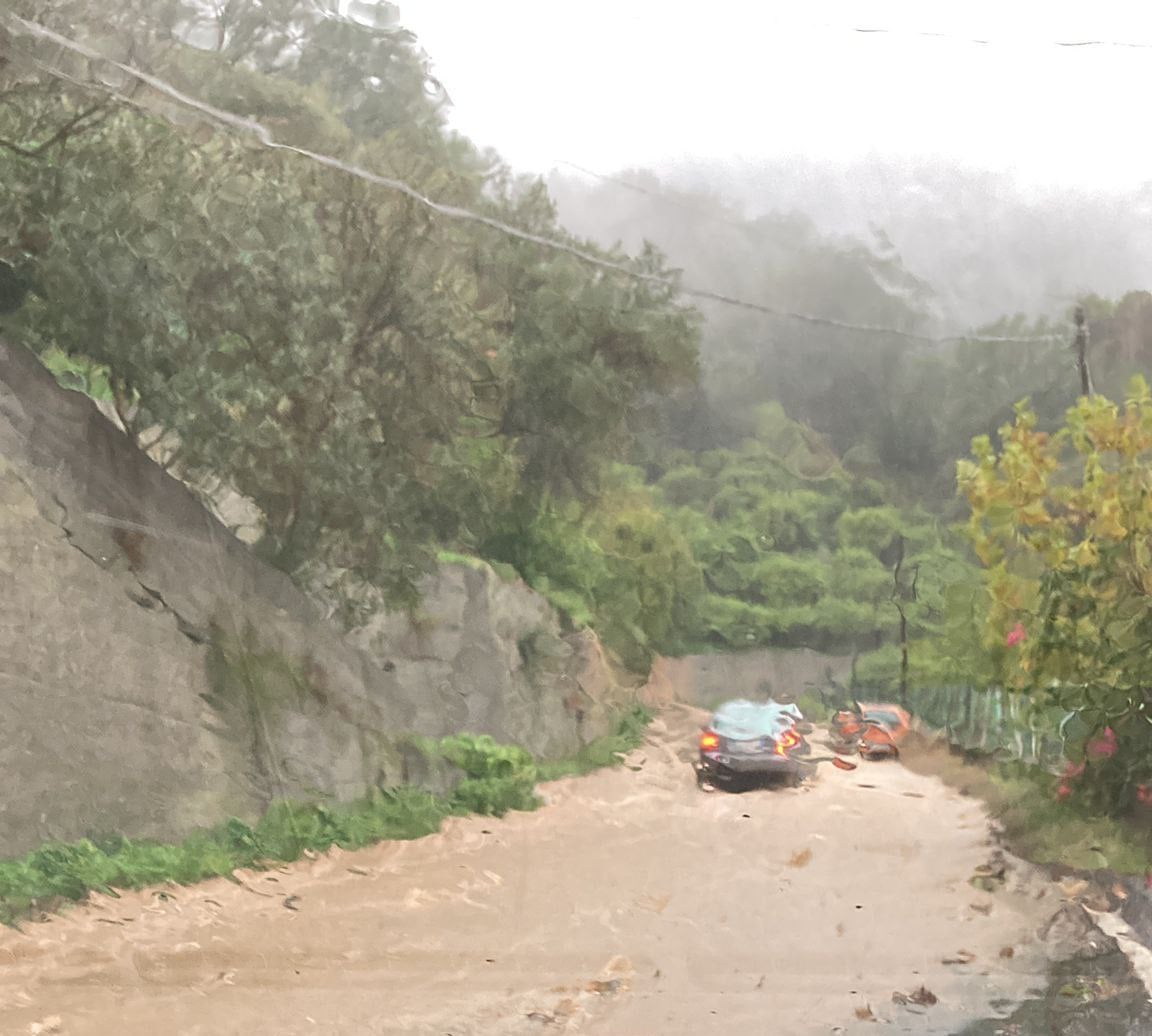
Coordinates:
column 1017, row 634
column 1104, row 746
column 1063, row 792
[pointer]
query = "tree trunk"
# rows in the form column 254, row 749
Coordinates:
column 1080, row 344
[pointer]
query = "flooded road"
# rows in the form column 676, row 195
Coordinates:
column 632, row 904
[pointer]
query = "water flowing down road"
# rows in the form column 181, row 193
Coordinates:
column 631, row 904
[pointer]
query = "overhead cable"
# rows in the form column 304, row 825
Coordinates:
column 885, row 31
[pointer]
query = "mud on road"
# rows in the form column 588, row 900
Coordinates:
column 630, row 905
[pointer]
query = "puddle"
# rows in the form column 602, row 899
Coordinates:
column 1100, row 997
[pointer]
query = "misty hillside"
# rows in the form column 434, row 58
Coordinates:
column 985, row 245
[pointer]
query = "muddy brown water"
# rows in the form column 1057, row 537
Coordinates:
column 631, row 904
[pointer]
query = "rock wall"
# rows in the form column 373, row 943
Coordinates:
column 156, row 677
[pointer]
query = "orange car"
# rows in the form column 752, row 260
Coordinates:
column 875, row 730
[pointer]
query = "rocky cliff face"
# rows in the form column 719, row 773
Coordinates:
column 155, row 677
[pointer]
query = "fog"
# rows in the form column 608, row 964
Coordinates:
column 997, row 162
column 985, row 244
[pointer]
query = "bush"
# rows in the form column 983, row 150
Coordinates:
column 736, row 623
column 814, row 707
column 793, row 521
column 688, row 487
column 855, row 574
column 871, row 528
column 623, row 568
column 497, row 777
column 790, row 579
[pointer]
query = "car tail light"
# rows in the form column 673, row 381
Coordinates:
column 789, row 739
column 709, row 741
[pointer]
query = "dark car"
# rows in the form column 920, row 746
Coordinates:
column 749, row 742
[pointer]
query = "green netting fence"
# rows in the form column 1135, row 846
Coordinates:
column 992, row 721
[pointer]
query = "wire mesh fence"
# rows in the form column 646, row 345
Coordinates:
column 993, row 721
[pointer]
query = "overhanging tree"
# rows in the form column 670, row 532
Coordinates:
column 1063, row 526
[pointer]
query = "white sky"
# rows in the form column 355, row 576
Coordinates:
column 615, row 83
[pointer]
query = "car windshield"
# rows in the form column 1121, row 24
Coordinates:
column 746, row 720
column 464, row 464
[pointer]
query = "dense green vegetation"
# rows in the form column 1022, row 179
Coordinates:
column 374, row 378
column 796, row 551
column 1061, row 523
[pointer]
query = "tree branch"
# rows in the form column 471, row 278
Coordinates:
column 61, row 134
column 16, row 149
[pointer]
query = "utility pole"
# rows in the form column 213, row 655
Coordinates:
column 1080, row 344
column 902, row 594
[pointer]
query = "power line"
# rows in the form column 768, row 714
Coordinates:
column 21, row 27
column 877, row 30
column 749, row 226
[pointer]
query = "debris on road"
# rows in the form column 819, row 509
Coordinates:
column 991, row 876
column 656, row 904
column 922, row 997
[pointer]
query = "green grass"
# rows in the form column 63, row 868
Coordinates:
column 451, row 557
column 1040, row 828
column 78, row 374
column 496, row 778
column 506, row 572
column 68, row 871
